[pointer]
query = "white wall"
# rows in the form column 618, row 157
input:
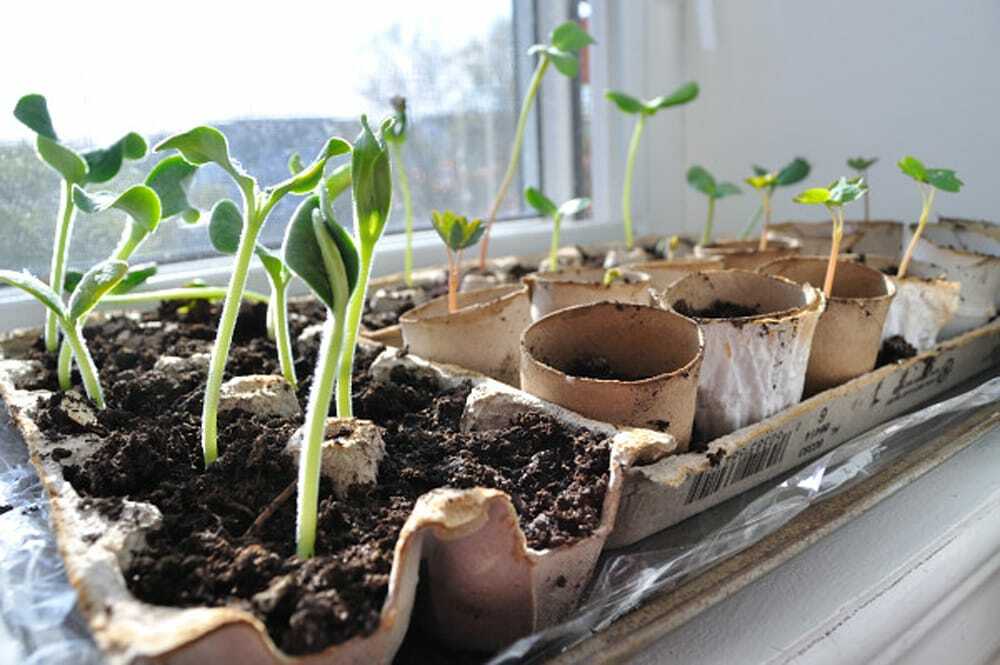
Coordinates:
column 837, row 78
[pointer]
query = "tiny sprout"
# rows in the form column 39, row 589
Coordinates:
column 704, row 182
column 928, row 181
column 395, row 136
column 565, row 43
column 861, row 165
column 835, row 197
column 545, row 206
column 765, row 182
column 458, row 233
column 642, row 109
column 610, row 276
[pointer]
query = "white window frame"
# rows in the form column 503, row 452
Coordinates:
column 633, row 51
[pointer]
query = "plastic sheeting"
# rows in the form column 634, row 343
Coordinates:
column 39, row 623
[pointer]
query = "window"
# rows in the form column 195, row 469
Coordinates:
column 275, row 83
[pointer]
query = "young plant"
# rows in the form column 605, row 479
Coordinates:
column 96, row 282
column 565, row 42
column 861, row 166
column 766, row 181
column 336, row 267
column 643, row 110
column 457, row 232
column 928, row 181
column 202, row 145
column 81, row 169
column 396, row 137
column 704, row 182
column 835, row 197
column 545, row 206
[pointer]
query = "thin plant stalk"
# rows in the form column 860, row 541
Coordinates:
column 927, row 194
column 837, row 214
column 57, row 274
column 633, row 149
column 282, row 338
column 515, row 156
column 180, row 293
column 404, row 187
column 354, row 310
column 554, row 245
column 454, row 261
column 64, row 370
column 706, row 235
column 752, row 223
column 864, row 174
column 766, row 206
column 85, row 363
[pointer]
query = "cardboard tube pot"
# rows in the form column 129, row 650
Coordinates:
column 925, row 301
column 971, row 235
column 744, row 255
column 647, row 362
column 664, row 272
column 552, row 291
column 876, row 237
column 483, row 335
column 849, row 334
column 753, row 366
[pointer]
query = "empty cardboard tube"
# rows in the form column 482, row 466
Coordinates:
column 552, row 291
column 880, row 237
column 744, row 255
column 664, row 272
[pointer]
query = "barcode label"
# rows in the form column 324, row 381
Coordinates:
column 743, row 464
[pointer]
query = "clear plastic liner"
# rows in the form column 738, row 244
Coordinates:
column 40, row 624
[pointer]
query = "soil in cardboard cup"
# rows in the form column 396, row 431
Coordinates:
column 894, row 349
column 595, row 367
column 719, row 309
column 205, row 552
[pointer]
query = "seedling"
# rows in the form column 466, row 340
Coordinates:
column 202, row 145
column 81, row 169
column 765, row 182
column 396, row 137
column 457, row 232
column 96, row 282
column 545, row 206
column 611, row 275
column 835, row 197
column 643, row 110
column 861, row 165
column 704, row 182
column 320, row 251
column 565, row 42
column 928, row 182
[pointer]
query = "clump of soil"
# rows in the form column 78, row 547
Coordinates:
column 207, row 552
column 719, row 309
column 595, row 367
column 5, row 509
column 894, row 349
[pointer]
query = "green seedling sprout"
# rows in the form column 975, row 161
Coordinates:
column 396, row 138
column 928, row 181
column 610, row 275
column 80, row 169
column 562, row 50
column 705, row 182
column 203, row 145
column 545, row 206
column 457, row 233
column 835, row 197
column 336, row 266
column 642, row 110
column 861, row 166
column 94, row 284
column 766, row 181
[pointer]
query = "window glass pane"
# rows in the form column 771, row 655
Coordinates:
column 275, row 82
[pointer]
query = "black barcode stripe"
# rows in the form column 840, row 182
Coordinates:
column 744, row 464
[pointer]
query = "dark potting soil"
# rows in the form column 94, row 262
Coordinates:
column 5, row 509
column 894, row 349
column 719, row 309
column 594, row 367
column 396, row 303
column 206, row 551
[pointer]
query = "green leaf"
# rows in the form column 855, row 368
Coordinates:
column 138, row 202
column 295, row 163
column 574, row 206
column 844, row 191
column 371, row 185
column 795, row 171
column 95, row 283
column 225, row 227
column 457, row 231
column 625, row 103
column 202, row 145
column 914, row 168
column 33, row 111
column 72, row 278
column 540, row 202
column 724, row 189
column 105, row 163
column 861, row 163
column 303, row 255
column 682, row 95
column 170, row 179
column 272, row 263
column 944, row 179
column 569, row 36
column 565, row 62
column 814, row 196
column 762, row 181
column 701, row 180
column 66, row 162
column 133, row 279
column 306, row 180
column 760, row 170
column 35, row 288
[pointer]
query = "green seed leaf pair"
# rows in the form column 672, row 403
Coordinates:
column 545, row 206
column 457, row 231
column 139, row 202
column 133, row 279
column 837, row 194
column 699, row 178
column 861, row 164
column 944, row 179
column 795, row 171
column 628, row 104
column 397, row 130
column 171, row 180
column 565, row 42
column 313, row 245
column 93, row 285
column 371, row 184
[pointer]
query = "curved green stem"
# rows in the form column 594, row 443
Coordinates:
column 404, row 187
column 633, row 149
column 85, row 362
column 706, row 234
column 515, row 156
column 282, row 339
column 554, row 245
column 57, row 274
column 64, row 369
column 181, row 293
column 928, row 197
column 353, row 321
